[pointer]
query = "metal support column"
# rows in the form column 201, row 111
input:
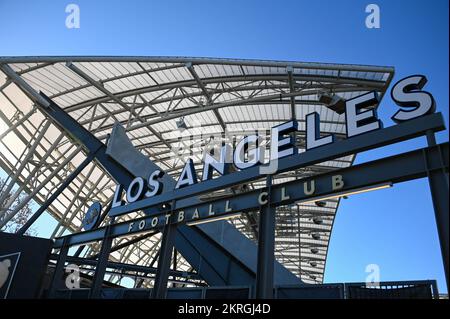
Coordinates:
column 438, row 181
column 100, row 269
column 266, row 248
column 59, row 269
column 165, row 256
column 174, row 266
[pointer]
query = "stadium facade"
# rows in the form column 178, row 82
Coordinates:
column 81, row 134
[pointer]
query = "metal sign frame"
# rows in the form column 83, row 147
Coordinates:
column 431, row 162
column 374, row 174
column 360, row 143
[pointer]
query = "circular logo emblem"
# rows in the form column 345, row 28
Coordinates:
column 91, row 216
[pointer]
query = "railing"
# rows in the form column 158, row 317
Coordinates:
column 422, row 289
column 419, row 289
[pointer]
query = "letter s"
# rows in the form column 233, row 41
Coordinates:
column 408, row 93
column 155, row 186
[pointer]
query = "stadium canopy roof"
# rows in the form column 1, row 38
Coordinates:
column 153, row 97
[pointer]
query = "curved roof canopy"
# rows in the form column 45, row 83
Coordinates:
column 153, row 97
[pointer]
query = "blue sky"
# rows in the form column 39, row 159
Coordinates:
column 392, row 228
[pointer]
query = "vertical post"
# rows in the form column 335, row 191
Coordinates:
column 434, row 289
column 59, row 269
column 165, row 256
column 266, row 248
column 438, row 181
column 299, row 243
column 102, row 262
column 174, row 265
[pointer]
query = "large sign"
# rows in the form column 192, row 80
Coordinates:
column 8, row 265
column 360, row 119
column 23, row 265
column 353, row 179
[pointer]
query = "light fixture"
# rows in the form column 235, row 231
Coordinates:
column 317, row 220
column 181, row 123
column 347, row 193
column 165, row 206
column 314, row 250
column 315, row 236
column 320, row 203
column 333, row 102
column 214, row 219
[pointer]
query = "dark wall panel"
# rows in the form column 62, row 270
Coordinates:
column 23, row 261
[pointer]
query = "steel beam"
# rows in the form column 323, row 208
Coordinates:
column 362, row 84
column 88, row 140
column 438, row 181
column 32, row 145
column 113, row 97
column 266, row 247
column 393, row 169
column 128, row 243
column 180, row 112
column 360, row 143
column 161, row 59
column 26, row 88
column 60, row 189
column 191, row 69
column 126, row 267
column 228, row 250
column 100, row 268
column 195, row 110
column 124, row 177
column 19, row 122
column 80, row 188
column 59, row 269
column 291, row 83
column 37, row 189
column 165, row 256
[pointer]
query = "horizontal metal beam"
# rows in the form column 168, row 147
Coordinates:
column 339, row 85
column 216, row 106
column 183, row 111
column 360, row 143
column 127, row 267
column 127, row 243
column 393, row 169
column 195, row 60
